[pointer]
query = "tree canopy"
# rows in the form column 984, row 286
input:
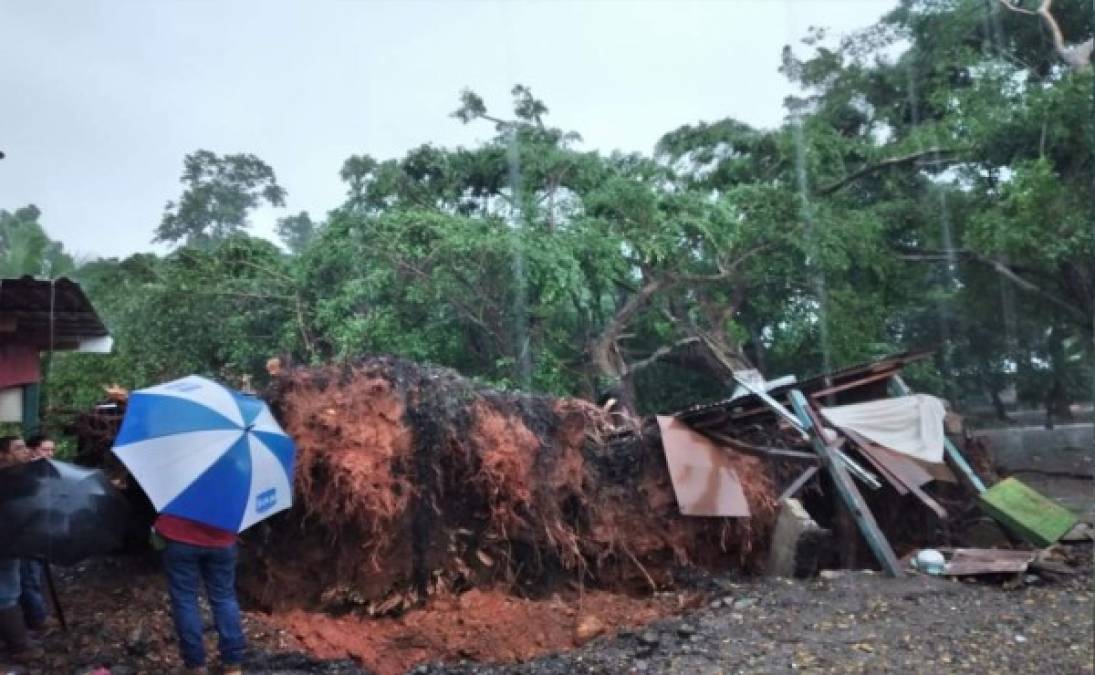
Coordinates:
column 933, row 185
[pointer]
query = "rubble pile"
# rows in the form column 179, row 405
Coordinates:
column 413, row 481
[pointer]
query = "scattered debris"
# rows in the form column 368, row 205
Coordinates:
column 1035, row 518
column 703, row 475
column 930, row 561
column 970, row 561
column 1081, row 532
column 441, row 520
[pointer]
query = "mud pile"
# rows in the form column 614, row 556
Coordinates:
column 414, row 482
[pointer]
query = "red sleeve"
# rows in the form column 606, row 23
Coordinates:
column 193, row 533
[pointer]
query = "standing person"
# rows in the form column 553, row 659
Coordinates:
column 31, row 599
column 193, row 553
column 13, row 630
column 41, row 447
column 12, row 451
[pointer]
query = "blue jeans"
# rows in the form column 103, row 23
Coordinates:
column 186, row 566
column 9, row 582
column 34, row 606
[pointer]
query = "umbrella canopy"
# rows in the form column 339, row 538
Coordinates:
column 208, row 453
column 59, row 511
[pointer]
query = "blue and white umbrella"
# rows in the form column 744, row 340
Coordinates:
column 207, row 453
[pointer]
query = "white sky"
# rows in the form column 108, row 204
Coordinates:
column 100, row 101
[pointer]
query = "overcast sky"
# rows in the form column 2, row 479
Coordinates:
column 100, row 101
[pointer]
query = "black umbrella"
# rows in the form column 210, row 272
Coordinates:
column 59, row 512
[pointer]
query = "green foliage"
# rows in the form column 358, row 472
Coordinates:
column 26, row 249
column 219, row 311
column 297, row 232
column 219, row 193
column 931, row 187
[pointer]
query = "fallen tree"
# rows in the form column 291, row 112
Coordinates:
column 412, row 481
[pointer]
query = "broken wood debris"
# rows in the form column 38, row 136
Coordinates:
column 1027, row 513
column 847, row 490
column 970, row 561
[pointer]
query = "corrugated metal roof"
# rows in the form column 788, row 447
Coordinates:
column 845, row 382
column 36, row 311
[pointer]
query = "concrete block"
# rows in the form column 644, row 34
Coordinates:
column 798, row 542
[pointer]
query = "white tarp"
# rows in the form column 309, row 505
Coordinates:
column 911, row 425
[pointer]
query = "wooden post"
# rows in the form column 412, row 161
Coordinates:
column 31, row 422
column 899, row 388
column 846, row 488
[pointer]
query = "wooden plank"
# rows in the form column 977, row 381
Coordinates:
column 836, row 389
column 1035, row 518
column 902, row 469
column 890, row 478
column 794, row 487
column 770, row 402
column 929, row 502
column 967, row 561
column 779, row 453
column 897, row 464
column 901, row 389
column 776, row 407
column 939, row 472
column 846, row 488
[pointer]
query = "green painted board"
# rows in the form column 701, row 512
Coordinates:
column 1036, row 518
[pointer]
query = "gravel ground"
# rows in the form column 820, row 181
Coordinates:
column 842, row 622
column 857, row 622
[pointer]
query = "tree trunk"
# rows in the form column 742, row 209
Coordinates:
column 1057, row 407
column 998, row 406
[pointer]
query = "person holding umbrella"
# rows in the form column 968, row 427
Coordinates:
column 194, row 553
column 213, row 462
column 13, row 630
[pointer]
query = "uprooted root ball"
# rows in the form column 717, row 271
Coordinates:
column 412, row 481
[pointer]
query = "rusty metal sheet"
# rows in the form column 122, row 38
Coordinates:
column 904, row 468
column 904, row 474
column 966, row 561
column 703, row 479
column 939, row 472
column 881, row 468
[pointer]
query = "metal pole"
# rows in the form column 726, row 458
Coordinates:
column 53, row 596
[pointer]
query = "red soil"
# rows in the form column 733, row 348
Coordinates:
column 480, row 625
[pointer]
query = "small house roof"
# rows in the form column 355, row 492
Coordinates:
column 48, row 313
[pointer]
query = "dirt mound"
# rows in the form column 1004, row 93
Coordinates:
column 481, row 625
column 414, row 482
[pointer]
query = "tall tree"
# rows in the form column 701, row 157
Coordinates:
column 219, row 193
column 25, row 248
column 296, row 232
column 970, row 128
